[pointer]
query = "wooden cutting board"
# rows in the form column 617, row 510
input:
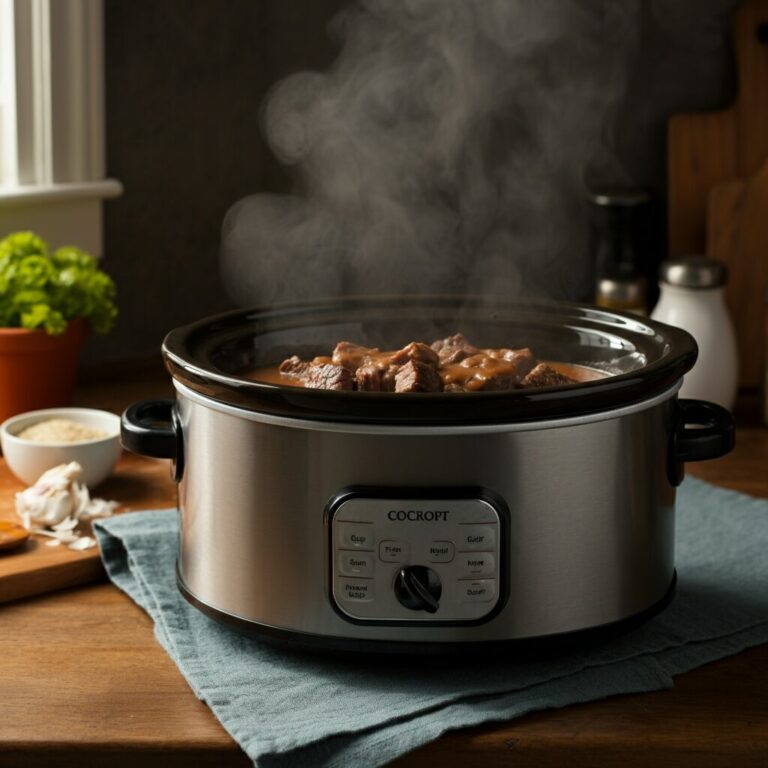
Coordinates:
column 137, row 483
column 705, row 149
column 737, row 234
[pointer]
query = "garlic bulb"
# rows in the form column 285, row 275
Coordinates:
column 50, row 500
column 58, row 502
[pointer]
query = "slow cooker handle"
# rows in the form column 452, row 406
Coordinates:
column 152, row 428
column 703, row 430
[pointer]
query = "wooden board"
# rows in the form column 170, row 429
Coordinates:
column 36, row 568
column 737, row 234
column 705, row 149
column 137, row 484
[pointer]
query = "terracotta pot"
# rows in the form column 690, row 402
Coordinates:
column 38, row 370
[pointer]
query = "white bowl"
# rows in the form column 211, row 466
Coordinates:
column 28, row 459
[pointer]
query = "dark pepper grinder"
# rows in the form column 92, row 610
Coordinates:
column 619, row 282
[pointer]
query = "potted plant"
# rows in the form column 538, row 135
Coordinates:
column 48, row 301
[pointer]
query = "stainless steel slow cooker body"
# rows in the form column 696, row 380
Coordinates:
column 406, row 522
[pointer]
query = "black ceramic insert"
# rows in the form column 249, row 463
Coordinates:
column 215, row 356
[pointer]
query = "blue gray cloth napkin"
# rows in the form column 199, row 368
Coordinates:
column 286, row 709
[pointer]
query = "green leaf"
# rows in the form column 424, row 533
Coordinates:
column 43, row 290
column 20, row 244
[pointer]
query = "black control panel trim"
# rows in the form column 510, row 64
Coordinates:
column 430, row 492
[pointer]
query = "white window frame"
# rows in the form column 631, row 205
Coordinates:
column 52, row 155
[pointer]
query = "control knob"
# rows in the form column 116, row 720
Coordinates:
column 418, row 588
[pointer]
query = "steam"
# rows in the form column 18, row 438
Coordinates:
column 450, row 146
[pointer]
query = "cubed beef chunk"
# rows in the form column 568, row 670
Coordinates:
column 368, row 378
column 488, row 374
column 416, row 376
column 490, row 370
column 388, row 375
column 329, row 377
column 453, row 349
column 544, row 375
column 522, row 359
column 457, row 340
column 415, row 351
column 350, row 355
column 452, row 364
column 294, row 366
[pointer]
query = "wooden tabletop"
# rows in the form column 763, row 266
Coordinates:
column 83, row 681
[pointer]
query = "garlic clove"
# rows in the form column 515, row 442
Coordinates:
column 84, row 542
column 67, row 524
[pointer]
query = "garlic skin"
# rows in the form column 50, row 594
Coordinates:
column 83, row 543
column 57, row 501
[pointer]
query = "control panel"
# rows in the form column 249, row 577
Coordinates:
column 407, row 560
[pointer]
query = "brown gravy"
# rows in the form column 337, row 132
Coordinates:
column 270, row 374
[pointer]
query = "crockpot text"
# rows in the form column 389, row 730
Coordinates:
column 420, row 515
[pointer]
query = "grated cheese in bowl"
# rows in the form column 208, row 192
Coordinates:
column 60, row 431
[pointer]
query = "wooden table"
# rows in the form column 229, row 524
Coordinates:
column 84, row 683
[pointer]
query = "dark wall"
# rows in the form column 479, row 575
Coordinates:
column 184, row 83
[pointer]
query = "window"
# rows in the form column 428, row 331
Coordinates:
column 7, row 96
column 52, row 175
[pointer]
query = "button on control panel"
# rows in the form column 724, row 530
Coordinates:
column 479, row 538
column 416, row 560
column 357, row 590
column 441, row 551
column 393, row 551
column 481, row 591
column 356, row 535
column 354, row 563
column 478, row 564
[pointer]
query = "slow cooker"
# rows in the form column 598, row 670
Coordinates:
column 421, row 522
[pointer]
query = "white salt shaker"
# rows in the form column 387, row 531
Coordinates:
column 692, row 298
